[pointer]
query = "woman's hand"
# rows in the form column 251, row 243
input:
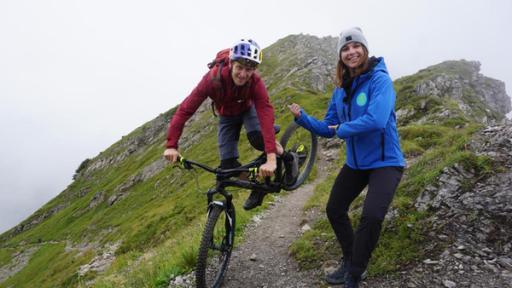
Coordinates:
column 295, row 109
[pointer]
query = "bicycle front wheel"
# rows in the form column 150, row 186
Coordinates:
column 304, row 143
column 216, row 246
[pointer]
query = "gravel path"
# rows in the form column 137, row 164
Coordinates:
column 263, row 259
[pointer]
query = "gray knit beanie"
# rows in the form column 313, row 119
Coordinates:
column 354, row 34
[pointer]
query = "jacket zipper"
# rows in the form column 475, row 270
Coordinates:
column 350, row 119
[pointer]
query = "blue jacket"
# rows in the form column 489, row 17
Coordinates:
column 367, row 122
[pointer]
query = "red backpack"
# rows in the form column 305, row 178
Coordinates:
column 216, row 66
column 218, row 63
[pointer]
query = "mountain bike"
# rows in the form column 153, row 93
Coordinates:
column 219, row 233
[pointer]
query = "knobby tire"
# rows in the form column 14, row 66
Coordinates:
column 203, row 267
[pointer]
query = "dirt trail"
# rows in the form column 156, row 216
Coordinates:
column 263, row 259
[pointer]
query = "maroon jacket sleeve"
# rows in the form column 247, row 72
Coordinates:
column 186, row 109
column 265, row 113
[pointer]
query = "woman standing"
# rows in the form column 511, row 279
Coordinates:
column 362, row 113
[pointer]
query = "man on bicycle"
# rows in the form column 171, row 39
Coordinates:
column 240, row 98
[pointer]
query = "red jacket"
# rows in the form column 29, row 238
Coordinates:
column 231, row 102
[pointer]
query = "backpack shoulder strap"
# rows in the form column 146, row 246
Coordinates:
column 216, row 67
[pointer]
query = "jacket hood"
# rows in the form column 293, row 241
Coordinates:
column 379, row 65
column 376, row 64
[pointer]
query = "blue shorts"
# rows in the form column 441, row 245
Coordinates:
column 229, row 133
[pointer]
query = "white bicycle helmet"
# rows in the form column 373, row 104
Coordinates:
column 246, row 50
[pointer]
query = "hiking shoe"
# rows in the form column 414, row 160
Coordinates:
column 291, row 166
column 351, row 281
column 338, row 276
column 255, row 199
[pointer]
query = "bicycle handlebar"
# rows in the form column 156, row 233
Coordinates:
column 187, row 164
column 252, row 168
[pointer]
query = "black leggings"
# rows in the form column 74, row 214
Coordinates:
column 382, row 184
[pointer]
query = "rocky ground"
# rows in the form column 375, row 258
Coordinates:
column 471, row 238
column 19, row 261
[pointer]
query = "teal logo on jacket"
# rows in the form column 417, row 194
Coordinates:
column 361, row 99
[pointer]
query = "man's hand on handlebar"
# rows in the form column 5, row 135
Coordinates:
column 171, row 154
column 267, row 169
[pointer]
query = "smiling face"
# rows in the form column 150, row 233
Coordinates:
column 241, row 73
column 353, row 55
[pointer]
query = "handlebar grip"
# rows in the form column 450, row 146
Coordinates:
column 184, row 163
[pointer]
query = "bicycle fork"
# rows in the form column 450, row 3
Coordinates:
column 228, row 208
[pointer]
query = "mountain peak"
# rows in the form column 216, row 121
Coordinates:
column 302, row 61
column 449, row 90
column 467, row 69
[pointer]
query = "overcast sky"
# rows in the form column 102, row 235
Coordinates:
column 75, row 76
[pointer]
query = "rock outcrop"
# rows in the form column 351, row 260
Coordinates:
column 470, row 240
column 450, row 90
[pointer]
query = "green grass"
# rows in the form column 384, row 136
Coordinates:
column 400, row 243
column 38, row 272
column 154, row 266
column 315, row 246
column 411, row 148
column 424, row 136
column 6, row 256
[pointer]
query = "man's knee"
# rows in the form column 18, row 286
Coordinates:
column 256, row 138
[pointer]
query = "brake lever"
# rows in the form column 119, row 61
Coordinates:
column 253, row 173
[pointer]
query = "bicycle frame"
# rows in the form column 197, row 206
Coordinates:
column 223, row 180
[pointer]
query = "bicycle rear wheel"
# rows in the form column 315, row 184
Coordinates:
column 304, row 143
column 216, row 246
